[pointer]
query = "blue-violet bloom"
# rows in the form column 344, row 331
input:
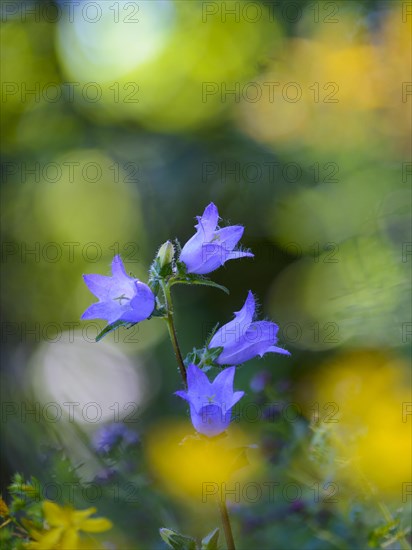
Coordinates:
column 121, row 298
column 211, row 247
column 242, row 339
column 107, row 437
column 210, row 402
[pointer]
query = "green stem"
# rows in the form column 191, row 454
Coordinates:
column 226, row 525
column 173, row 337
column 172, row 331
column 6, row 523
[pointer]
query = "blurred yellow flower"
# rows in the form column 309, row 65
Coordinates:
column 334, row 73
column 193, row 466
column 64, row 524
column 4, row 509
column 365, row 399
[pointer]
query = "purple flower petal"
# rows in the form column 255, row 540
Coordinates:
column 233, row 331
column 236, row 254
column 200, row 390
column 192, row 254
column 98, row 284
column 102, row 310
column 121, row 298
column 222, row 386
column 211, row 420
column 229, row 236
column 210, row 402
column 275, row 349
column 211, row 257
column 242, row 339
column 210, row 247
column 208, row 222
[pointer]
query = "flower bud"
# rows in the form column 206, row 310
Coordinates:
column 165, row 254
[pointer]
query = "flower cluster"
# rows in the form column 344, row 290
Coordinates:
column 126, row 300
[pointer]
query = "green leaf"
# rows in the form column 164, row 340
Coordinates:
column 17, row 482
column 177, row 541
column 209, row 542
column 209, row 356
column 159, row 311
column 240, row 461
column 204, row 358
column 154, row 285
column 109, row 328
column 194, row 357
column 199, row 281
column 378, row 535
column 212, row 333
column 213, row 354
column 25, row 490
column 178, row 248
column 182, row 277
column 17, row 505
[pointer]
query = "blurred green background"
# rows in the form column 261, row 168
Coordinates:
column 120, row 122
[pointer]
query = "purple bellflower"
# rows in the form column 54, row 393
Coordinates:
column 121, row 298
column 242, row 339
column 210, row 402
column 211, row 247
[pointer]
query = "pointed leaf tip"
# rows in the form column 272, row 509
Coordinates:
column 109, row 328
column 176, row 540
column 209, row 542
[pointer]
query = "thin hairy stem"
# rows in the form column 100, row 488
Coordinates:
column 172, row 331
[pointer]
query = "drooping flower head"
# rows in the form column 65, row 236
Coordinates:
column 211, row 247
column 210, row 402
column 64, row 527
column 121, row 298
column 242, row 339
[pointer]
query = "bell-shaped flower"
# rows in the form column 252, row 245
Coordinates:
column 211, row 247
column 210, row 402
column 121, row 298
column 242, row 338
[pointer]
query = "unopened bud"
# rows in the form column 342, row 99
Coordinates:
column 165, row 254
